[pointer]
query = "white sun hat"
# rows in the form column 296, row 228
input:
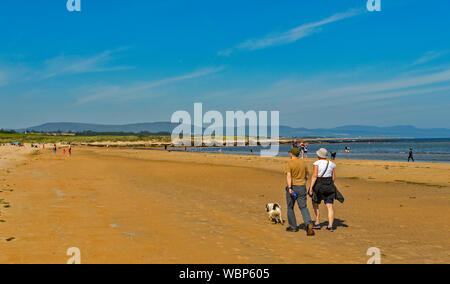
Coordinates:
column 322, row 153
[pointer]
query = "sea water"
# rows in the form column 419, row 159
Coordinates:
column 425, row 150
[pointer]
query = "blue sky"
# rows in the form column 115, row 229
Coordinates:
column 320, row 63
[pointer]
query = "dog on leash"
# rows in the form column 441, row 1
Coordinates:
column 274, row 211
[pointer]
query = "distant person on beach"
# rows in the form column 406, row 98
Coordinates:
column 333, row 155
column 295, row 144
column 305, row 151
column 302, row 148
column 411, row 155
column 297, row 175
column 323, row 189
column 54, row 149
column 70, row 150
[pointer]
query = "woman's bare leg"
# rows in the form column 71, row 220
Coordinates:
column 330, row 215
column 316, row 212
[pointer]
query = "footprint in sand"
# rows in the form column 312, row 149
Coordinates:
column 59, row 194
column 131, row 236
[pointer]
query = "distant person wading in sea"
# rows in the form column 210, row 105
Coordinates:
column 323, row 189
column 297, row 175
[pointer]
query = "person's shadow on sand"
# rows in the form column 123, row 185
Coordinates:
column 337, row 223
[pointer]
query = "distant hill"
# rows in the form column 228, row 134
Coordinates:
column 153, row 127
column 285, row 131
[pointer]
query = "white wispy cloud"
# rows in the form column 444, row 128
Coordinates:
column 350, row 89
column 70, row 65
column 383, row 97
column 59, row 66
column 397, row 84
column 346, row 94
column 134, row 90
column 429, row 56
column 225, row 52
column 345, row 87
column 289, row 36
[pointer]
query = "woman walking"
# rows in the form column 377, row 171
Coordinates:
column 306, row 149
column 302, row 149
column 323, row 189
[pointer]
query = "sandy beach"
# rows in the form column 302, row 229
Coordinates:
column 148, row 206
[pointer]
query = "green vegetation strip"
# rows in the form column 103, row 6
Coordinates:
column 44, row 138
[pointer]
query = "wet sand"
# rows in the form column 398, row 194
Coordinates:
column 137, row 206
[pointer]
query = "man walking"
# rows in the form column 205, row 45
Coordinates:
column 411, row 155
column 296, row 176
